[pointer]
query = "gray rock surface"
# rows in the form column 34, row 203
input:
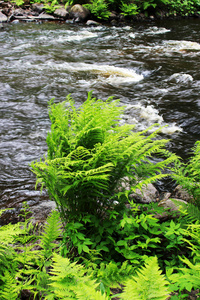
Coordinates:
column 79, row 13
column 92, row 23
column 61, row 12
column 148, row 194
column 3, row 18
column 41, row 211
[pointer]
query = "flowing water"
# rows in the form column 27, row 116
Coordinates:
column 153, row 68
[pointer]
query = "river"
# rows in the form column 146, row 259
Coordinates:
column 152, row 67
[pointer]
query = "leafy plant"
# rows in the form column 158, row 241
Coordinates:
column 90, row 155
column 188, row 175
column 50, row 7
column 18, row 2
column 129, row 9
column 147, row 284
column 99, row 8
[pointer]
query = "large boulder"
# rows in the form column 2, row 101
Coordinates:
column 79, row 13
column 3, row 18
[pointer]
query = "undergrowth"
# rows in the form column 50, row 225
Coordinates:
column 101, row 9
column 100, row 241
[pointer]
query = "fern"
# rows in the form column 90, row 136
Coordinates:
column 188, row 175
column 187, row 278
column 10, row 289
column 89, row 154
column 51, row 231
column 111, row 275
column 148, row 284
column 70, row 281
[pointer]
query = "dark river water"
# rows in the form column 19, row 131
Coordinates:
column 154, row 68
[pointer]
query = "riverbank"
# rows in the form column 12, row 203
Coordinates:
column 38, row 12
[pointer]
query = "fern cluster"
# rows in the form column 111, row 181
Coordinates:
column 90, row 154
column 188, row 174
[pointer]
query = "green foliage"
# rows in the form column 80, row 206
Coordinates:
column 51, row 232
column 129, row 9
column 50, row 7
column 184, row 7
column 18, row 2
column 188, row 175
column 90, row 155
column 147, row 284
column 99, row 8
column 188, row 276
column 38, row 267
column 65, row 278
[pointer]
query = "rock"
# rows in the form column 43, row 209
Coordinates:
column 61, row 12
column 148, row 194
column 113, row 15
column 44, row 16
column 173, row 204
column 41, row 211
column 92, row 23
column 3, row 18
column 79, row 13
column 181, row 193
column 15, row 21
column 38, row 7
column 19, row 12
column 1, row 26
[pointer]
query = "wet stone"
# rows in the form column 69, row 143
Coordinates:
column 61, row 12
column 3, row 18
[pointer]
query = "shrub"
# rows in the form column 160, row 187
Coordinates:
column 91, row 158
column 188, row 174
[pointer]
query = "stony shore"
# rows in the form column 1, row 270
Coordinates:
column 77, row 13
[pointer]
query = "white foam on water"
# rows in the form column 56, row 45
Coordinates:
column 150, row 31
column 145, row 116
column 169, row 47
column 69, row 36
column 156, row 30
column 23, row 46
column 182, row 45
column 132, row 35
column 110, row 74
column 181, row 78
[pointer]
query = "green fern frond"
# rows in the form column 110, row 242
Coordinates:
column 112, row 275
column 9, row 290
column 187, row 277
column 148, row 284
column 9, row 232
column 68, row 279
column 52, row 230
